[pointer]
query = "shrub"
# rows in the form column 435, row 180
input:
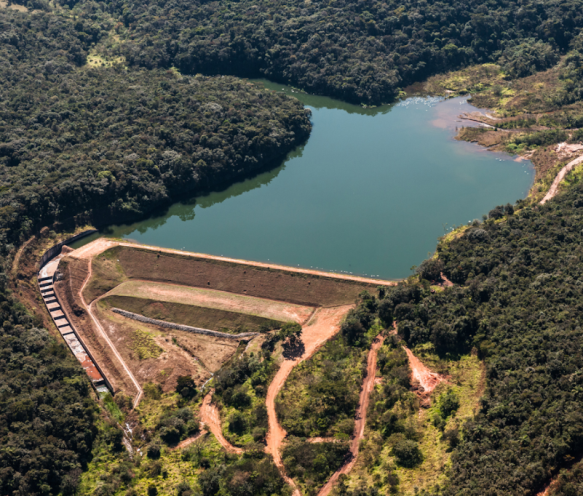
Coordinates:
column 406, row 452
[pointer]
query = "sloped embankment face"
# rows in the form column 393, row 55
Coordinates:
column 191, row 315
column 267, row 309
column 302, row 289
column 74, row 272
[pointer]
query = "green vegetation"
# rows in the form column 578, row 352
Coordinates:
column 144, row 346
column 359, row 52
column 46, row 412
column 114, row 143
column 405, row 446
column 516, row 301
column 320, row 397
column 179, row 313
column 240, row 389
column 312, row 464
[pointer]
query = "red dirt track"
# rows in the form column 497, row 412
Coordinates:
column 211, row 418
column 367, row 388
column 324, row 324
column 106, row 337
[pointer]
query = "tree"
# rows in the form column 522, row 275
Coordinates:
column 406, row 452
column 186, row 387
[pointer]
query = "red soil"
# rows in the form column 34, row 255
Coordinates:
column 367, row 388
column 190, row 440
column 324, row 324
column 427, row 379
column 209, row 414
column 446, row 282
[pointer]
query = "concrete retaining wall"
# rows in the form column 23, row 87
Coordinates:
column 53, row 251
column 170, row 325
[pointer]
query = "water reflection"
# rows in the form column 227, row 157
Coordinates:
column 369, row 193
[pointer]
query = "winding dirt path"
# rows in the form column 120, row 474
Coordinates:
column 323, row 325
column 367, row 388
column 106, row 337
column 190, row 440
column 209, row 415
column 554, row 189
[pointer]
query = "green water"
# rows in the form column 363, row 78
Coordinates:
column 369, row 193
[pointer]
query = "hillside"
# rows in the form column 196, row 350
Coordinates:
column 110, row 111
column 362, row 52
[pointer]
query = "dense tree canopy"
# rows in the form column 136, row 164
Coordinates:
column 101, row 143
column 517, row 300
column 357, row 51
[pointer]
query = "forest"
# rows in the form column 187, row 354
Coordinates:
column 81, row 144
column 516, row 302
column 362, row 52
column 91, row 142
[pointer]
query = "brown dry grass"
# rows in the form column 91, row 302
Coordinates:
column 220, row 300
column 164, row 367
column 296, row 288
column 107, row 274
column 191, row 315
column 67, row 290
column 182, row 353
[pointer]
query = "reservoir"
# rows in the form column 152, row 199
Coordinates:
column 369, row 193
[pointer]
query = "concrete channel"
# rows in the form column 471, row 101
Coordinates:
column 46, row 281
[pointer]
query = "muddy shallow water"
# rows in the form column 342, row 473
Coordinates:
column 369, row 193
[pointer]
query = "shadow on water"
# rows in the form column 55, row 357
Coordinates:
column 185, row 209
column 368, row 194
column 323, row 102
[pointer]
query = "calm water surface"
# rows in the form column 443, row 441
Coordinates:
column 369, row 193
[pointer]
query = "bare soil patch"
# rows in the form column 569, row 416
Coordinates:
column 67, row 290
column 181, row 353
column 191, row 315
column 564, row 171
column 422, row 378
column 323, row 325
column 209, row 298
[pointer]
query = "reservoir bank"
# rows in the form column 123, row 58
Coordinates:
column 369, row 193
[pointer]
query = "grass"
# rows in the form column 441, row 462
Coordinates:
column 211, row 298
column 466, row 381
column 107, row 273
column 98, row 61
column 144, row 346
column 376, row 466
column 112, row 408
column 192, row 315
column 320, row 396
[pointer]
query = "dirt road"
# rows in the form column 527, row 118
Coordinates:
column 101, row 244
column 106, row 337
column 190, row 440
column 363, row 401
column 211, row 419
column 560, row 176
column 324, row 324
